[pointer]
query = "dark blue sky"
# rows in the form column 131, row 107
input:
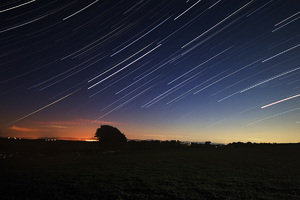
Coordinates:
column 218, row 70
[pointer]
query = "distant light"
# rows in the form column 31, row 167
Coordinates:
column 91, row 140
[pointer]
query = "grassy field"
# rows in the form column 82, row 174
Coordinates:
column 70, row 170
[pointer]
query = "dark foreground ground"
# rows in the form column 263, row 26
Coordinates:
column 80, row 170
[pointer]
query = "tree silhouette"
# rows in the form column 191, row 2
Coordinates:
column 110, row 137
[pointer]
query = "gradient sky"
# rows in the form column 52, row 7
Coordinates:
column 221, row 70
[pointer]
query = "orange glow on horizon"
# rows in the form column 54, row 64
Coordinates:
column 83, row 130
column 89, row 140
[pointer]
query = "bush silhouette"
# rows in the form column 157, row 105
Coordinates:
column 110, row 137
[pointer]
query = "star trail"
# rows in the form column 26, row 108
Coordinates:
column 217, row 70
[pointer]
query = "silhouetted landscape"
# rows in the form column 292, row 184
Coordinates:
column 54, row 169
column 206, row 95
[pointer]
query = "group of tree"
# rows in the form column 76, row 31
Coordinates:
column 112, row 138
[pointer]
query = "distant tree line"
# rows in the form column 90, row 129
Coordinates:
column 110, row 138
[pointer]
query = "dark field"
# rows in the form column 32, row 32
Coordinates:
column 80, row 170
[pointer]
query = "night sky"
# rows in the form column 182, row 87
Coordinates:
column 221, row 70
